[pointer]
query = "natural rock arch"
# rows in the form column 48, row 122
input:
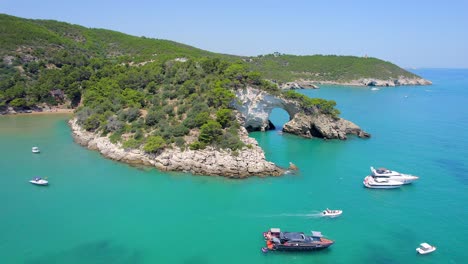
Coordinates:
column 255, row 106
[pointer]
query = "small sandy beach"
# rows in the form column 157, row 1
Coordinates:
column 45, row 112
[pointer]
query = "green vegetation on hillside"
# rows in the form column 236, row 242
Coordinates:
column 150, row 93
column 324, row 68
column 167, row 103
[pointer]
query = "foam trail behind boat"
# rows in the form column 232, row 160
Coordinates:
column 315, row 214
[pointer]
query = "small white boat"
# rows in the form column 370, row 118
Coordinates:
column 381, row 183
column 393, row 175
column 39, row 181
column 375, row 89
column 331, row 213
column 35, row 150
column 425, row 248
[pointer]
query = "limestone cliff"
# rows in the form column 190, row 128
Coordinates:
column 255, row 107
column 249, row 161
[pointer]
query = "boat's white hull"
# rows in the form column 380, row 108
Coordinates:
column 36, row 151
column 40, row 182
column 370, row 183
column 423, row 252
column 334, row 214
column 405, row 179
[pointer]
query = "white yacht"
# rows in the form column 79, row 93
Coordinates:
column 35, row 150
column 393, row 175
column 381, row 183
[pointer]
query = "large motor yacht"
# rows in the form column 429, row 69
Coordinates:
column 294, row 241
column 393, row 175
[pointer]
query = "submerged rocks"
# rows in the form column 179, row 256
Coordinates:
column 249, row 161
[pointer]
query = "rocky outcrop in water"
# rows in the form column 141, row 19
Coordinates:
column 250, row 161
column 255, row 107
column 323, row 126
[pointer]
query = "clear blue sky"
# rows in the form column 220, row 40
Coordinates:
column 409, row 33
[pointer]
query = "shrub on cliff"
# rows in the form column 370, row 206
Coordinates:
column 210, row 132
column 324, row 106
column 224, row 117
column 92, row 122
column 153, row 144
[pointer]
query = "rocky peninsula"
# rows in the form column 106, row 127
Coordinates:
column 249, row 161
column 253, row 108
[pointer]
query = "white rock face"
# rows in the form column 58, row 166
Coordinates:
column 250, row 161
column 255, row 107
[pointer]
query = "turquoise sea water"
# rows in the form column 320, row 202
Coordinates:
column 100, row 211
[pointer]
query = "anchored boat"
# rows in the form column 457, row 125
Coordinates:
column 393, row 175
column 380, row 183
column 425, row 248
column 39, row 181
column 294, row 241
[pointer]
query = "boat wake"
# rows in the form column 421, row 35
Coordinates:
column 315, row 214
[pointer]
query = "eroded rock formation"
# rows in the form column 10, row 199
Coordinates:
column 255, row 107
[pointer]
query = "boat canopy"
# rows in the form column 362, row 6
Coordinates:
column 317, row 234
column 293, row 236
column 275, row 230
column 425, row 245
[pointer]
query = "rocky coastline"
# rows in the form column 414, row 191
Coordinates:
column 249, row 161
column 313, row 84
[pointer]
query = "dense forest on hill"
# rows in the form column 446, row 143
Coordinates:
column 284, row 67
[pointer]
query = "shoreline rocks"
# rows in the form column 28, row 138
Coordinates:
column 300, row 84
column 401, row 81
column 249, row 161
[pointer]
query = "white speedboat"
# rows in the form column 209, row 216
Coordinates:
column 39, row 181
column 331, row 213
column 35, row 150
column 393, row 175
column 425, row 248
column 380, row 183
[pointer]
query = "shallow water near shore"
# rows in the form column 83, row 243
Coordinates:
column 100, row 211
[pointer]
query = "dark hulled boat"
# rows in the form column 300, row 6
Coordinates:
column 294, row 241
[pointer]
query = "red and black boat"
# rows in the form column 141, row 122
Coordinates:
column 294, row 241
